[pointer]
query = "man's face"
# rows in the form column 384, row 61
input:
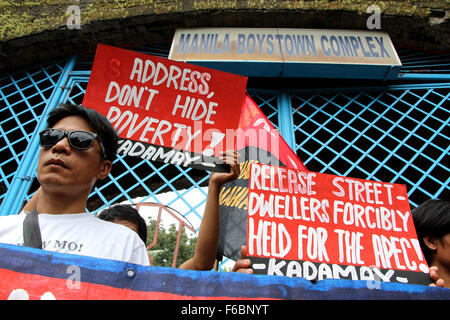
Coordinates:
column 443, row 251
column 68, row 169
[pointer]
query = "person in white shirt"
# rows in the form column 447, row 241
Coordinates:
column 78, row 148
column 208, row 234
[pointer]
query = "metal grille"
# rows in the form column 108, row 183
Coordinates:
column 397, row 134
column 23, row 98
column 423, row 63
column 268, row 103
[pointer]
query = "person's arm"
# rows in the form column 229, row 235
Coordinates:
column 31, row 205
column 208, row 234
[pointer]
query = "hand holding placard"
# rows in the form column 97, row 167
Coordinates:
column 166, row 110
column 324, row 226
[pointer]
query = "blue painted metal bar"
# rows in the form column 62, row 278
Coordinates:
column 373, row 88
column 285, row 123
column 420, row 76
column 12, row 203
column 417, row 62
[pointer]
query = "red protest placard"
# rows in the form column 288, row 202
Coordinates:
column 163, row 109
column 317, row 226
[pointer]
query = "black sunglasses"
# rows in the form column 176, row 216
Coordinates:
column 78, row 139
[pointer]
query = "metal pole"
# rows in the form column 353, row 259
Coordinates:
column 26, row 170
column 285, row 122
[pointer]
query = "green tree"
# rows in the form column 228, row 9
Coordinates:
column 163, row 252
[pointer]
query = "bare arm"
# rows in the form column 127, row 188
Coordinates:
column 208, row 235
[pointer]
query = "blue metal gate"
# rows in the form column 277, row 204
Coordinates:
column 396, row 133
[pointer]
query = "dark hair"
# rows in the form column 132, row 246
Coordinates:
column 107, row 136
column 128, row 213
column 431, row 218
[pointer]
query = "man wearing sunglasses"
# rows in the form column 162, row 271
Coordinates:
column 77, row 149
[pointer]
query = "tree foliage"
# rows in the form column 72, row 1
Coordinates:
column 163, row 252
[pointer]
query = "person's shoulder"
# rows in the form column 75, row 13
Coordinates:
column 113, row 227
column 124, row 235
column 109, row 231
column 12, row 218
column 89, row 223
column 10, row 227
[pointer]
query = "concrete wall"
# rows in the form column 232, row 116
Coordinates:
column 37, row 31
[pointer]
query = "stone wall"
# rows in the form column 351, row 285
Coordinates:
column 36, row 31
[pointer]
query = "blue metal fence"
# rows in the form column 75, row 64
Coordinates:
column 395, row 134
column 391, row 133
column 424, row 65
column 24, row 98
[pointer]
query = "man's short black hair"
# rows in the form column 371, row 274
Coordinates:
column 128, row 213
column 431, row 218
column 99, row 123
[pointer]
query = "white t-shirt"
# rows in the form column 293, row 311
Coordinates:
column 79, row 233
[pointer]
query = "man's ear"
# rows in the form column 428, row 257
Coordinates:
column 105, row 168
column 430, row 242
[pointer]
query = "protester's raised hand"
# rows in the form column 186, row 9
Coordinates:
column 243, row 265
column 437, row 282
column 230, row 157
